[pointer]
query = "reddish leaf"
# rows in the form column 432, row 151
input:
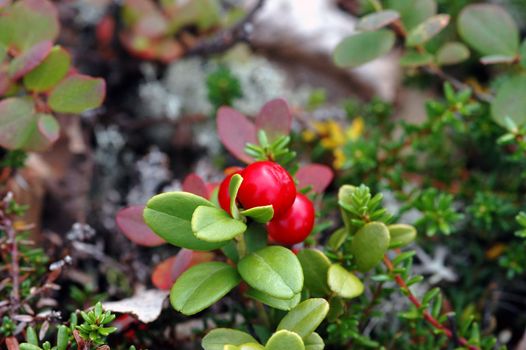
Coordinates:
column 105, row 30
column 131, row 223
column 194, row 184
column 165, row 274
column 4, row 83
column 274, row 118
column 11, row 343
column 77, row 94
column 316, row 175
column 29, row 60
column 235, row 131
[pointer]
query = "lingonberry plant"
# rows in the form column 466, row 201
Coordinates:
column 37, row 79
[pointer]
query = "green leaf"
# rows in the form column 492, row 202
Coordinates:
column 489, row 29
column 27, row 346
column 235, row 184
column 202, row 285
column 343, row 282
column 426, row 30
column 305, row 317
column 413, row 12
column 273, row 270
column 363, row 47
column 285, row 340
column 255, row 237
column 452, row 53
column 523, row 54
column 28, row 22
column 213, row 224
column 345, row 195
column 77, row 93
column 369, row 245
column 336, row 308
column 219, row 337
column 50, row 72
column 377, row 20
column 338, row 238
column 276, row 303
column 401, row 235
column 251, row 346
column 22, row 128
column 260, row 214
column 314, row 342
column 416, row 59
column 510, row 101
column 29, row 60
column 31, row 336
column 169, row 216
column 315, row 266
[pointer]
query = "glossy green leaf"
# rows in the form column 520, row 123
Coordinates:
column 27, row 23
column 29, row 60
column 416, row 59
column 344, row 195
column 276, row 303
column 413, row 12
column 77, row 93
column 426, row 30
column 369, row 245
column 452, row 53
column 273, row 270
column 255, row 237
column 377, row 20
column 401, row 235
column 213, row 224
column 523, row 54
column 219, row 337
column 285, row 340
column 27, row 346
column 259, row 214
column 363, row 47
column 510, row 101
column 314, row 342
column 169, row 215
column 251, row 346
column 489, row 29
column 315, row 266
column 344, row 283
column 202, row 285
column 50, row 72
column 235, row 184
column 305, row 317
column 338, row 238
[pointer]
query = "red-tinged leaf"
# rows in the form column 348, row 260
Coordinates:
column 16, row 122
column 4, row 83
column 50, row 72
column 29, row 60
column 235, row 131
column 48, row 127
column 316, row 175
column 167, row 272
column 131, row 223
column 274, row 118
column 11, row 343
column 105, row 30
column 193, row 183
column 77, row 93
column 27, row 23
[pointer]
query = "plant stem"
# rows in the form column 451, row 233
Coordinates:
column 14, row 267
column 241, row 246
column 427, row 316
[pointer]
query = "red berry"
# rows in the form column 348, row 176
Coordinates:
column 223, row 194
column 267, row 183
column 295, row 225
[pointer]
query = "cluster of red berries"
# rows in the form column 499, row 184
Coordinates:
column 267, row 183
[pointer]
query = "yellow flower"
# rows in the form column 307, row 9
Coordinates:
column 339, row 158
column 495, row 251
column 308, row 135
column 356, row 129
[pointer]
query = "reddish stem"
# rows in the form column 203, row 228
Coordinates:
column 427, row 316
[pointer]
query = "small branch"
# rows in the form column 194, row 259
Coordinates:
column 427, row 316
column 227, row 38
